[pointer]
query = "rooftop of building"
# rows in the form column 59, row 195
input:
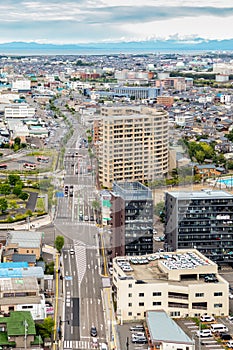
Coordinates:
column 18, row 322
column 24, row 239
column 203, row 194
column 34, row 271
column 22, row 284
column 132, row 190
column 159, row 322
column 188, row 266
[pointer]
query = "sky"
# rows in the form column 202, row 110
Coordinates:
column 86, row 21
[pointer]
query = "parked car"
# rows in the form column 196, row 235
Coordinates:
column 225, row 336
column 230, row 344
column 207, row 318
column 137, row 328
column 204, row 333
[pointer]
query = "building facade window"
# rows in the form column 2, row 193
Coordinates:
column 157, row 294
column 141, row 304
column 199, row 295
column 217, row 306
column 217, row 294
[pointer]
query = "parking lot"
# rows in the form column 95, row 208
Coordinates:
column 125, row 338
column 204, row 343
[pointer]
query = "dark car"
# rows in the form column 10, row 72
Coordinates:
column 93, row 331
column 225, row 336
column 91, row 218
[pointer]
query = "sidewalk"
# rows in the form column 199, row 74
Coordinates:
column 22, row 225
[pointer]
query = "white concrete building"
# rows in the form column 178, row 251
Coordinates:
column 20, row 110
column 171, row 281
column 21, row 85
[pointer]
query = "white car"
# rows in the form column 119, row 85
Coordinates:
column 206, row 318
column 204, row 333
column 72, row 252
column 230, row 344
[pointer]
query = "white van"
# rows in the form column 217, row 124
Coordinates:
column 218, row 327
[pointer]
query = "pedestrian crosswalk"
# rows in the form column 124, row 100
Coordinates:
column 78, row 344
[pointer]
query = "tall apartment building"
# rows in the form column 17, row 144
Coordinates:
column 201, row 220
column 133, row 144
column 131, row 219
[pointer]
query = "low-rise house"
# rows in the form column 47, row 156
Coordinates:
column 23, row 242
column 18, row 331
column 158, row 324
column 22, row 294
column 209, row 170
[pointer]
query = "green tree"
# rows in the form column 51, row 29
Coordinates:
column 230, row 164
column 96, row 205
column 49, row 268
column 45, row 329
column 159, row 208
column 200, row 156
column 17, row 190
column 24, row 196
column 17, row 141
column 207, row 149
column 13, row 179
column 59, row 243
column 5, row 189
column 3, row 204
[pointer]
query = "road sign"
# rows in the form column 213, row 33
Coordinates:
column 59, row 194
column 68, row 278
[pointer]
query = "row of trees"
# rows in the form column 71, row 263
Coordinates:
column 199, row 151
column 12, row 185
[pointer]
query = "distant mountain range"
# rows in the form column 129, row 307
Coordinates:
column 197, row 44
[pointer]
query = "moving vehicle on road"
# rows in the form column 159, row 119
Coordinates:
column 3, row 166
column 93, row 331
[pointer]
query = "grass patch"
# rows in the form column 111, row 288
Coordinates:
column 40, row 205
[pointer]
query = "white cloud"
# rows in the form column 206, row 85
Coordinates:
column 92, row 20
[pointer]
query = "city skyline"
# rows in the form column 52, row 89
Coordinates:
column 63, row 22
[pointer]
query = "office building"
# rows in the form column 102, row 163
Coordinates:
column 131, row 219
column 138, row 92
column 132, row 145
column 175, row 282
column 201, row 220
